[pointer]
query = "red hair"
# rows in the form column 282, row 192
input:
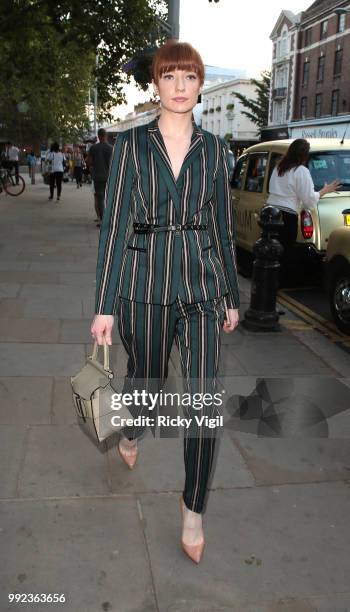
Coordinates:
column 176, row 55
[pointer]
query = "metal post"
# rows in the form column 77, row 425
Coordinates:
column 95, row 100
column 262, row 314
column 174, row 17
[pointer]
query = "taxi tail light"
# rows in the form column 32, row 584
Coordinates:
column 307, row 224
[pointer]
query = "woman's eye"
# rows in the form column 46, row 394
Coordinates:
column 192, row 76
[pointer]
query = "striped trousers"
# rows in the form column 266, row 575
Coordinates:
column 147, row 332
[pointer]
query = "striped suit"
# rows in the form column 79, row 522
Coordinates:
column 169, row 284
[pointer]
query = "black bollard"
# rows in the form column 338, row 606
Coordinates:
column 261, row 314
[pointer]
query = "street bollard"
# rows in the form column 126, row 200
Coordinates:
column 261, row 314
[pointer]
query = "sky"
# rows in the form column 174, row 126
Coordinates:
column 229, row 34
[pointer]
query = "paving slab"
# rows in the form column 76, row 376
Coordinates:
column 9, row 289
column 262, row 544
column 161, row 466
column 295, row 460
column 266, row 357
column 47, row 472
column 29, row 277
column 16, row 329
column 12, row 441
column 59, row 291
column 63, row 411
column 33, row 359
column 25, row 401
column 76, row 330
column 91, row 550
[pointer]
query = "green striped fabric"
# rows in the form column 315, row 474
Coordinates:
column 196, row 265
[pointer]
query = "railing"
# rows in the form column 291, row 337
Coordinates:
column 279, row 92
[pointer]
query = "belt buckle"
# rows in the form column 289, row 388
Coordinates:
column 177, row 229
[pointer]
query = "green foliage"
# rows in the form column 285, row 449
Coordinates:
column 218, row 109
column 230, row 106
column 228, row 136
column 258, row 110
column 48, row 56
column 211, row 110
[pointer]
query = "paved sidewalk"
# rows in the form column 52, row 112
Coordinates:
column 75, row 520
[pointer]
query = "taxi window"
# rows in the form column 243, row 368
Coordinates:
column 239, row 171
column 257, row 164
column 328, row 166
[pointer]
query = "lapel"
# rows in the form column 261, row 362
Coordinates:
column 159, row 150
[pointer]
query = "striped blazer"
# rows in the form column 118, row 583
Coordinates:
column 197, row 265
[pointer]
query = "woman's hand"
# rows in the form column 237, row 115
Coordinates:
column 330, row 187
column 101, row 329
column 233, row 314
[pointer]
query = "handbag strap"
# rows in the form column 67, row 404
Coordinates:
column 105, row 354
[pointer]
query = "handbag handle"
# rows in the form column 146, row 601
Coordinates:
column 105, row 354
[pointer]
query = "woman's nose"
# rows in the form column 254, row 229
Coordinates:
column 180, row 85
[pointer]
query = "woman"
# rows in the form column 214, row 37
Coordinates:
column 56, row 160
column 169, row 181
column 290, row 185
column 32, row 161
column 78, row 167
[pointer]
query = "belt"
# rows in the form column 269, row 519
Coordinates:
column 146, row 228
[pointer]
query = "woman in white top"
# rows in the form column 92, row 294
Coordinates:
column 291, row 186
column 57, row 160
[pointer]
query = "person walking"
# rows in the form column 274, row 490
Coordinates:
column 12, row 159
column 78, row 166
column 291, row 186
column 174, row 275
column 56, row 159
column 32, row 161
column 98, row 160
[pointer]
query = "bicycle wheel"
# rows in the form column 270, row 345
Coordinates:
column 11, row 187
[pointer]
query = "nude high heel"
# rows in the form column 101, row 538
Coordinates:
column 193, row 551
column 130, row 460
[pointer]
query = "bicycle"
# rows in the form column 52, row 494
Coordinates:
column 8, row 183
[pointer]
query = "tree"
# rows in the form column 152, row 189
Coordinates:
column 258, row 110
column 48, row 52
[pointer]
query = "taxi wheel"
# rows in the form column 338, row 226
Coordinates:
column 339, row 300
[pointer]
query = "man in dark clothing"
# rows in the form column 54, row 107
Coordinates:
column 99, row 158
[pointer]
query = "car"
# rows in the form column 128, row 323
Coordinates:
column 328, row 160
column 337, row 262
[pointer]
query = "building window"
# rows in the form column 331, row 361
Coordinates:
column 303, row 107
column 341, row 22
column 320, row 67
column 306, row 70
column 318, row 105
column 324, row 29
column 284, row 44
column 338, row 58
column 307, row 37
column 335, row 102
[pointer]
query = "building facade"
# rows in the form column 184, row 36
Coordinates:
column 322, row 90
column 222, row 113
column 284, row 38
column 283, row 75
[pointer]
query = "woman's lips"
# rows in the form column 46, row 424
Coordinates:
column 180, row 99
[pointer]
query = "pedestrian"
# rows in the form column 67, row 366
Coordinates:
column 12, row 159
column 31, row 161
column 56, row 159
column 78, row 166
column 291, row 187
column 167, row 264
column 98, row 160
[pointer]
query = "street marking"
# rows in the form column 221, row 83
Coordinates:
column 314, row 320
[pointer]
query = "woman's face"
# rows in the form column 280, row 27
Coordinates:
column 178, row 90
